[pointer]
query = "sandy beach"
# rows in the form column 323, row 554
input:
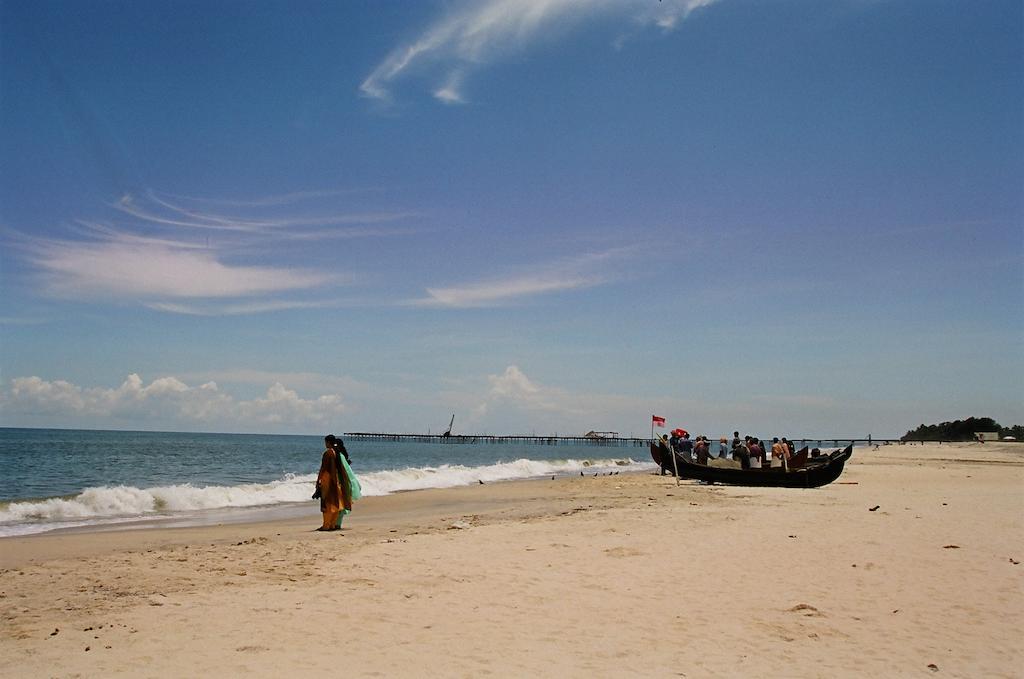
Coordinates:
column 909, row 565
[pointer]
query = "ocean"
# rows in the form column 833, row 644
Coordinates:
column 54, row 479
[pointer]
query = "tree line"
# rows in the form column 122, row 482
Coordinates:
column 962, row 430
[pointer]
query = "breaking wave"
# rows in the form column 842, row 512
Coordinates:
column 120, row 504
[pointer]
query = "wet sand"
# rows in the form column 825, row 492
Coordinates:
column 909, row 565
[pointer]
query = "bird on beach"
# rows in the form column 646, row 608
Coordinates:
column 481, row 482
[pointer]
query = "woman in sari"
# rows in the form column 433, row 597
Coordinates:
column 336, row 484
column 350, row 489
column 328, row 486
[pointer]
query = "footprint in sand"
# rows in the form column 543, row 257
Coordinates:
column 807, row 610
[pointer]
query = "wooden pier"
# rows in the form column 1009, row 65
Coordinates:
column 478, row 439
column 613, row 441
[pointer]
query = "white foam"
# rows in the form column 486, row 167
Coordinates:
column 116, row 504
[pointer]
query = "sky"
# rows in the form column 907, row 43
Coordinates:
column 793, row 217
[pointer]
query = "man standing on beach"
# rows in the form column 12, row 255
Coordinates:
column 673, row 440
column 740, row 452
column 780, row 453
column 686, row 446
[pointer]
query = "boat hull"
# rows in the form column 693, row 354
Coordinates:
column 814, row 475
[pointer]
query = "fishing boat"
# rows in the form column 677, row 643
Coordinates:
column 803, row 472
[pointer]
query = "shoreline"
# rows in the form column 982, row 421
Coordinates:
column 408, row 507
column 252, row 514
column 580, row 576
column 256, row 513
column 123, row 506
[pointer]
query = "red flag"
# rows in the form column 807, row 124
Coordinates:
column 657, row 421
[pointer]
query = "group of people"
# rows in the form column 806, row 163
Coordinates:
column 750, row 451
column 336, row 485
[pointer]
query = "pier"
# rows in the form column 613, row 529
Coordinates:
column 613, row 441
column 482, row 438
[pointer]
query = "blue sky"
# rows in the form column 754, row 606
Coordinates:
column 790, row 217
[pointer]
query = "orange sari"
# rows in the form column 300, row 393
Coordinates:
column 331, row 496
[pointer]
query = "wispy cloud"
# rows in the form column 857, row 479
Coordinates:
column 152, row 208
column 312, row 381
column 210, row 309
column 21, row 320
column 451, row 91
column 484, row 31
column 271, row 200
column 357, row 392
column 150, row 252
column 576, row 273
column 495, row 292
column 141, row 270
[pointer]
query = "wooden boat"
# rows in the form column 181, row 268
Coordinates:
column 799, row 459
column 817, row 471
column 656, row 451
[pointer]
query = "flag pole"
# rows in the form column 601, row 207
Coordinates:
column 675, row 465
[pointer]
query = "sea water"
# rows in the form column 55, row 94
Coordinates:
column 58, row 478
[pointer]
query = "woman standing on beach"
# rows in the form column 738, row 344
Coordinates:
column 336, row 485
column 328, row 486
column 350, row 489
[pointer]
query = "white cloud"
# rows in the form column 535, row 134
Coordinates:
column 155, row 208
column 583, row 271
column 512, row 385
column 270, row 200
column 483, row 31
column 450, row 93
column 169, row 399
column 301, row 380
column 513, row 397
column 281, row 406
column 151, row 263
column 513, row 391
column 495, row 292
column 207, row 309
column 156, row 270
column 512, row 401
column 22, row 320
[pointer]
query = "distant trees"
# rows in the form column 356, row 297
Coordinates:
column 962, row 430
column 1016, row 431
